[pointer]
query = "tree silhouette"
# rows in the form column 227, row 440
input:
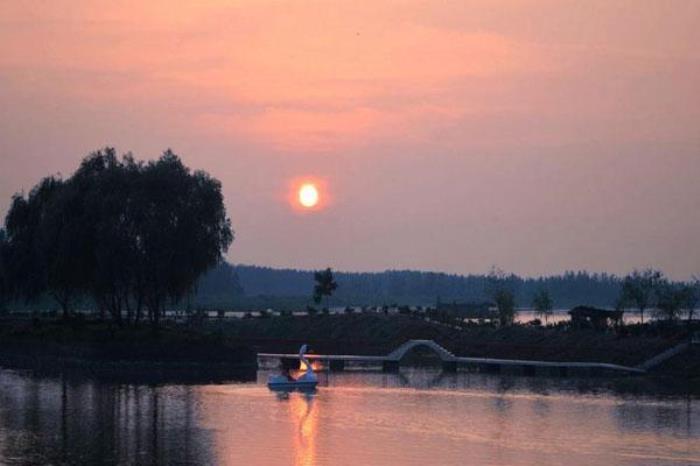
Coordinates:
column 542, row 303
column 670, row 299
column 691, row 296
column 325, row 285
column 5, row 292
column 182, row 229
column 640, row 288
column 45, row 242
column 133, row 235
column 500, row 287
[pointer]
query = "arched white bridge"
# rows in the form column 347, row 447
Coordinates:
column 400, row 352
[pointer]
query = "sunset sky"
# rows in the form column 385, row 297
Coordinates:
column 537, row 136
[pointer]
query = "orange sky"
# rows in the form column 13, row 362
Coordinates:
column 538, row 136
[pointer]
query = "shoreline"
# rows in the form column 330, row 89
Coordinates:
column 219, row 351
column 136, row 372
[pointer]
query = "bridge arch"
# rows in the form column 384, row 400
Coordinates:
column 402, row 350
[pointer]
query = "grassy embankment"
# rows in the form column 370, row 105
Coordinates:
column 379, row 334
column 231, row 344
column 107, row 350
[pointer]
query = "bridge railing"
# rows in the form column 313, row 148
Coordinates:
column 401, row 351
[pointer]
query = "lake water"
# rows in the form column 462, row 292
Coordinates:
column 417, row 417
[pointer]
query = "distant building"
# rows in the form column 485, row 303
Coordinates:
column 593, row 317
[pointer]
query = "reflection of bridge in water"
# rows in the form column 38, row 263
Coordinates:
column 450, row 362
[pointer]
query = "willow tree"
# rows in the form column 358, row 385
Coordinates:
column 107, row 187
column 130, row 234
column 5, row 291
column 45, row 244
column 181, row 230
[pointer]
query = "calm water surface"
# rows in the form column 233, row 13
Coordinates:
column 418, row 417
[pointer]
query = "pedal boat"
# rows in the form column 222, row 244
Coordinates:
column 306, row 381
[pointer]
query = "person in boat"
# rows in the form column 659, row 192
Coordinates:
column 287, row 373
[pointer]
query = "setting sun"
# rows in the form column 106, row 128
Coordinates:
column 308, row 195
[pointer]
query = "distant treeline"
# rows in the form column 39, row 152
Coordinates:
column 424, row 288
column 218, row 287
column 248, row 287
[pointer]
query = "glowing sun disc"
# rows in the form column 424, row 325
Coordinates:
column 308, row 195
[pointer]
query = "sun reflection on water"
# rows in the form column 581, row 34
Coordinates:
column 304, row 414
